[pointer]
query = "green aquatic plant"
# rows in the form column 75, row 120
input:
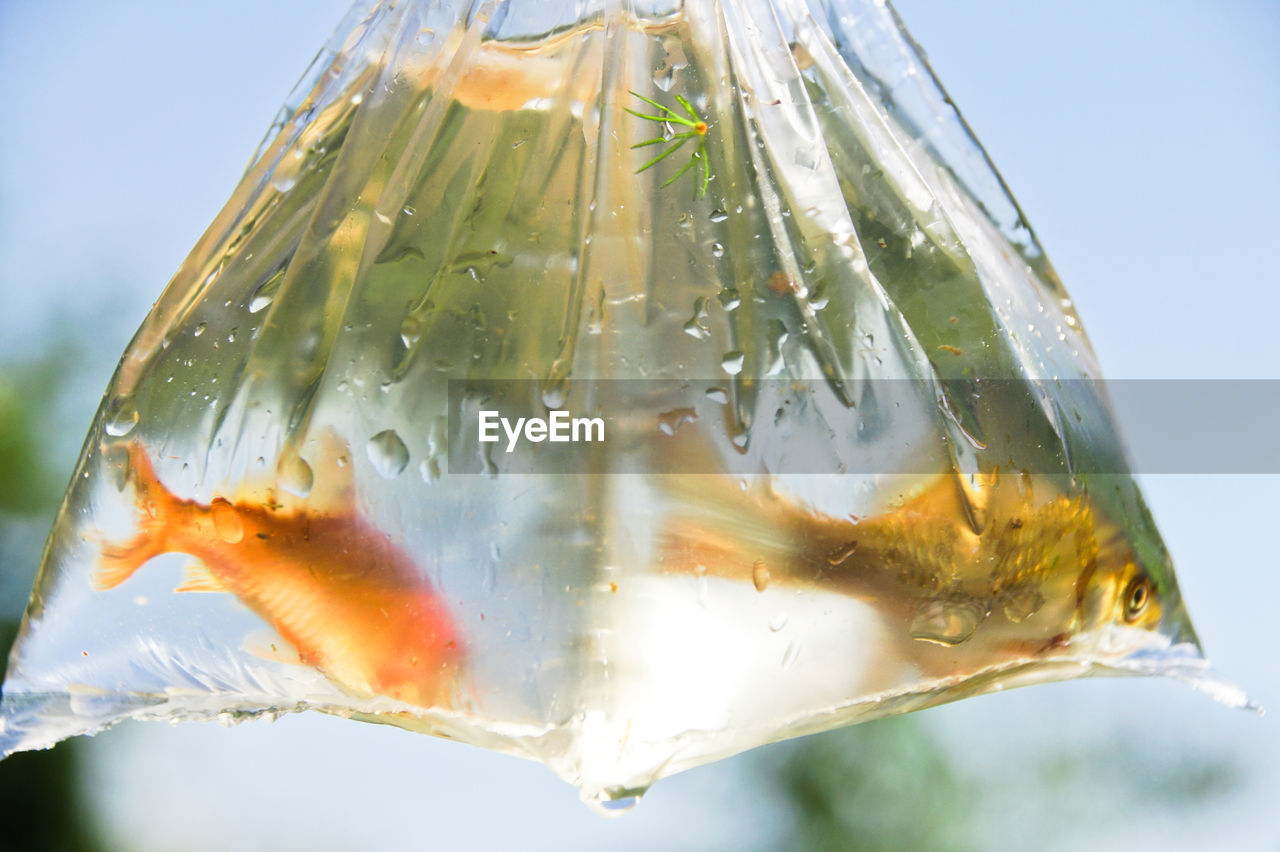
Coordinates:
column 697, row 130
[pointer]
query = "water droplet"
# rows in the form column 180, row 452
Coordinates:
column 116, row 460
column 947, row 622
column 719, row 395
column 614, row 802
column 790, row 655
column 257, row 303
column 718, row 215
column 777, row 339
column 226, row 520
column 732, row 362
column 696, row 331
column 410, row 331
column 409, row 211
column 729, row 298
column 620, row 806
column 695, row 327
column 199, row 329
column 670, row 421
column 430, row 470
column 122, row 416
column 1022, row 602
column 554, row 393
column 778, row 622
column 760, row 575
column 294, row 474
column 717, row 250
column 388, row 453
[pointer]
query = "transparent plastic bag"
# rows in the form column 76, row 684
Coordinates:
column 853, row 455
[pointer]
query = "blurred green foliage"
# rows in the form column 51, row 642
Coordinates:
column 885, row 785
column 894, row 784
column 40, row 806
column 26, row 399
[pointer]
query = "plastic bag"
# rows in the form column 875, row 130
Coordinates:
column 618, row 385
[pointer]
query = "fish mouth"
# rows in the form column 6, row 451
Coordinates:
column 1173, row 651
column 1182, row 661
column 1112, row 650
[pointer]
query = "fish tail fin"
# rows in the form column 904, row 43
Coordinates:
column 716, row 528
column 117, row 562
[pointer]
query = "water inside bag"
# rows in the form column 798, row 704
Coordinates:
column 853, row 456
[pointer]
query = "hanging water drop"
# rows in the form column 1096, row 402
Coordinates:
column 670, row 421
column 226, row 520
column 294, row 474
column 760, row 575
column 122, row 416
column 388, row 453
column 947, row 622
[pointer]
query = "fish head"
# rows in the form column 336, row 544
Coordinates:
column 1131, row 619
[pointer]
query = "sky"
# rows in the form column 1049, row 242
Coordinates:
column 1139, row 139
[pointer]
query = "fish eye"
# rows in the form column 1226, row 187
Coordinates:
column 1136, row 597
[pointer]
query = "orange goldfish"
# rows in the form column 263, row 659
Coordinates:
column 352, row 605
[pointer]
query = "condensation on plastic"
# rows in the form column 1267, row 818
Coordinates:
column 264, row 520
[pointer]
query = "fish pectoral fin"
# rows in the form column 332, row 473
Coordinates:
column 198, row 578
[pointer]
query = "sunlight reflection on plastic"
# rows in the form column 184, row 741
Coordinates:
column 247, row 532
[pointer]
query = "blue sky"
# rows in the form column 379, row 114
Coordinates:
column 1139, row 137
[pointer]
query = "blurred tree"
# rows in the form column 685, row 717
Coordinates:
column 40, row 806
column 893, row 784
column 885, row 785
column 26, row 396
